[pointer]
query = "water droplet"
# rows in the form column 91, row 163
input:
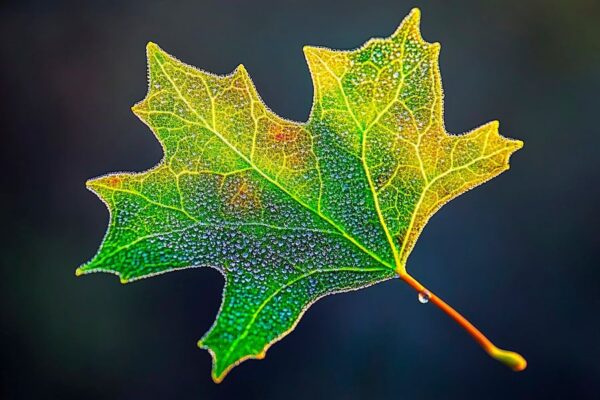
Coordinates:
column 424, row 297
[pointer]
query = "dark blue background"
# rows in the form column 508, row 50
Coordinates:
column 519, row 255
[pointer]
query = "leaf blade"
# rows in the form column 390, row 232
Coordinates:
column 252, row 194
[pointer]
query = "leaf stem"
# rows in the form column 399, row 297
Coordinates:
column 513, row 360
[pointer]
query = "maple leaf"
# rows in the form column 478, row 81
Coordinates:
column 290, row 212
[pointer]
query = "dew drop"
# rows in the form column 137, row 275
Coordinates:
column 424, row 297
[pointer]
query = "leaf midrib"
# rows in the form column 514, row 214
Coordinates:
column 399, row 266
column 363, row 133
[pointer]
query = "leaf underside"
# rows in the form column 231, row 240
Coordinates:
column 290, row 212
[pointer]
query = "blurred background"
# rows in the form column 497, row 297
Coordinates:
column 518, row 255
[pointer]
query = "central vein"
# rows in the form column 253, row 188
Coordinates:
column 399, row 267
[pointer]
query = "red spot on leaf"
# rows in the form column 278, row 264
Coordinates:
column 281, row 134
column 113, row 181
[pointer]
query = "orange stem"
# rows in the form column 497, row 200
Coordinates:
column 509, row 358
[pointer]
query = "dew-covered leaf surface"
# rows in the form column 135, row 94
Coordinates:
column 290, row 212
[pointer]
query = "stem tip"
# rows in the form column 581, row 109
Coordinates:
column 513, row 360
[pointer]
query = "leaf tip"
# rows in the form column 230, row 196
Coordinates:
column 79, row 272
column 152, row 47
column 308, row 50
column 512, row 145
column 415, row 15
column 518, row 144
column 410, row 22
column 90, row 183
column 123, row 280
column 217, row 378
column 241, row 70
column 311, row 54
column 153, row 51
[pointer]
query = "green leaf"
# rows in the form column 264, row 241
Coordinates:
column 290, row 212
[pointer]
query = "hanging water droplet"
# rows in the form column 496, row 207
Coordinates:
column 424, row 297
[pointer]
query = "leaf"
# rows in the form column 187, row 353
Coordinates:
column 290, row 212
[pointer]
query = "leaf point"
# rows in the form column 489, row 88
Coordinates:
column 218, row 379
column 415, row 14
column 414, row 19
column 79, row 272
column 309, row 50
column 152, row 47
column 241, row 71
column 92, row 183
column 136, row 108
column 518, row 144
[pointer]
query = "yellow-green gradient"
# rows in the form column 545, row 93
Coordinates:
column 290, row 212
